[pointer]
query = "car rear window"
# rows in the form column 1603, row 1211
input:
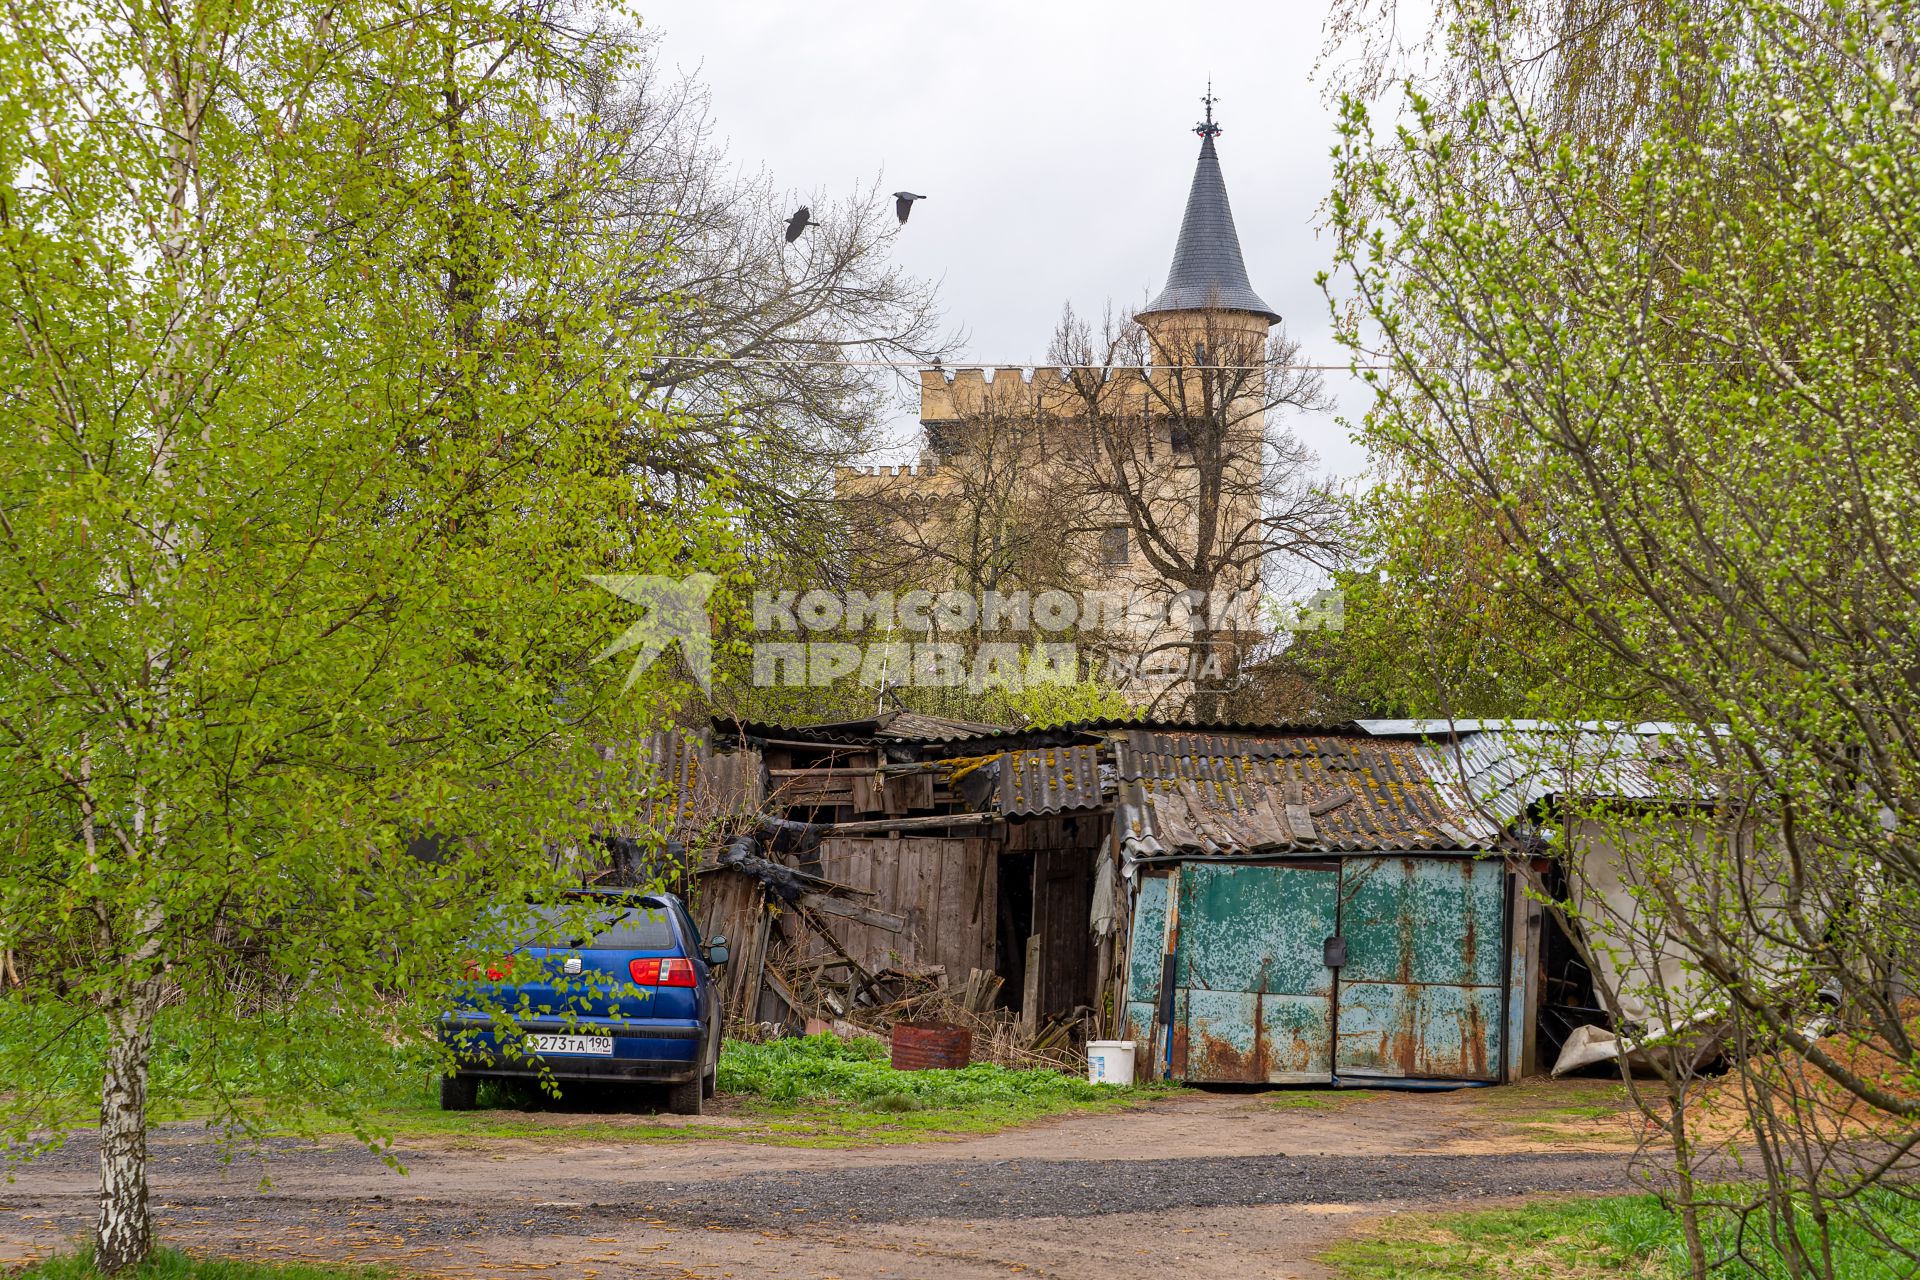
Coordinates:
column 600, row 928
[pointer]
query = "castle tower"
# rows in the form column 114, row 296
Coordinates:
column 1207, row 290
column 1009, row 489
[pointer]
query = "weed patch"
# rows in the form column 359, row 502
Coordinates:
column 171, row 1264
column 1610, row 1238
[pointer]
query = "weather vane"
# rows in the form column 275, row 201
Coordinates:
column 1207, row 128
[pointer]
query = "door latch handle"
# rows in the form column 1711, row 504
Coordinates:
column 1334, row 951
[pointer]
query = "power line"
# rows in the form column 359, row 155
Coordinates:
column 1008, row 364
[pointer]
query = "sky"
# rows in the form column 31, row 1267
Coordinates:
column 1054, row 142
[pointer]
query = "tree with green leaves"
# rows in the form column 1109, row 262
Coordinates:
column 1643, row 282
column 317, row 411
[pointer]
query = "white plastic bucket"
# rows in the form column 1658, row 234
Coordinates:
column 1110, row 1061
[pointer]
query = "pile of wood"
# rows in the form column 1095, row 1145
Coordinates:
column 760, row 925
column 1000, row 1036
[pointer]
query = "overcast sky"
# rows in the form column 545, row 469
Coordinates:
column 1053, row 141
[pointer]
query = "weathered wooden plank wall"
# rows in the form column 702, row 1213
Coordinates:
column 729, row 905
column 945, row 887
column 1062, row 893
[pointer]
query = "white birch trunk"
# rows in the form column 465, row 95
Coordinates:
column 124, row 1234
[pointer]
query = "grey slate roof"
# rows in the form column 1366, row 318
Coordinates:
column 1052, row 780
column 1207, row 271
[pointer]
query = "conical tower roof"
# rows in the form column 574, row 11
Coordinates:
column 1208, row 272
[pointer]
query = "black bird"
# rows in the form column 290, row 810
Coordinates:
column 802, row 219
column 903, row 204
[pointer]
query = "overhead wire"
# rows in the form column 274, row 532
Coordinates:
column 942, row 365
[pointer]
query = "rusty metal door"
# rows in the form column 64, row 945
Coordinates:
column 1144, row 957
column 1420, row 993
column 1254, row 997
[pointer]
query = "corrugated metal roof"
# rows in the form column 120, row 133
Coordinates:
column 1501, row 773
column 1051, row 780
column 1213, row 794
column 1087, row 731
column 670, row 766
column 1436, row 727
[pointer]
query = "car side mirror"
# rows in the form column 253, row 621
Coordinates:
column 717, row 952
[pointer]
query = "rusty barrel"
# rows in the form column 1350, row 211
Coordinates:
column 923, row 1046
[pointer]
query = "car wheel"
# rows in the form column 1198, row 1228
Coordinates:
column 684, row 1099
column 459, row 1093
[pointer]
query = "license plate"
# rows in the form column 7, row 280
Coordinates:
column 602, row 1045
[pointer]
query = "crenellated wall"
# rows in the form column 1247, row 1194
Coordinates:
column 904, row 469
column 1006, row 391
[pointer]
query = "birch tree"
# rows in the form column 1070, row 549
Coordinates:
column 314, row 415
column 1652, row 337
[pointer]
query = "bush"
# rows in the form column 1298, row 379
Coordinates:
column 813, row 1068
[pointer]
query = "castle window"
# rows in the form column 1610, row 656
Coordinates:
column 1113, row 545
column 1178, row 438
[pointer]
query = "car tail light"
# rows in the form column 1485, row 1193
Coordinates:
column 670, row 972
column 495, row 970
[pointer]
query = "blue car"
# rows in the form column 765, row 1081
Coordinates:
column 608, row 985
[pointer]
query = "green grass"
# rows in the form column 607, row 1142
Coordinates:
column 814, row 1068
column 800, row 1092
column 170, row 1264
column 1610, row 1238
column 819, row 1081
column 813, row 1091
column 1302, row 1100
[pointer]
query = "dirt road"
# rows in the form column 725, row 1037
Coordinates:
column 1240, row 1185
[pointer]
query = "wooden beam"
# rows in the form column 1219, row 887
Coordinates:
column 1030, row 997
column 933, row 822
column 781, row 989
column 887, row 920
column 819, row 926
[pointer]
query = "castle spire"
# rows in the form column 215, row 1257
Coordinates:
column 1208, row 272
column 1207, row 128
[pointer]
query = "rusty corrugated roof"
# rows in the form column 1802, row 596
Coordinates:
column 888, row 726
column 1220, row 794
column 915, row 726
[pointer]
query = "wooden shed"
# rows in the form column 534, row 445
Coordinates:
column 1247, row 903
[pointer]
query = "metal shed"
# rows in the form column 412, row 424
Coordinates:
column 1310, row 908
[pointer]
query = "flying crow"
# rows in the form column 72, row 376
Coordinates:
column 903, row 204
column 802, row 219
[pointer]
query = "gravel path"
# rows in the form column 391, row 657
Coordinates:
column 1214, row 1186
column 1085, row 1188
column 916, row 1189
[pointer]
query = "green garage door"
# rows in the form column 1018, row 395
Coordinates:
column 1417, row 994
column 1420, row 994
column 1254, row 998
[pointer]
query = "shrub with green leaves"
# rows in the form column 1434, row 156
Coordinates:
column 857, row 1072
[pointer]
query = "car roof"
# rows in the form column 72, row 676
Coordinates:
column 657, row 897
